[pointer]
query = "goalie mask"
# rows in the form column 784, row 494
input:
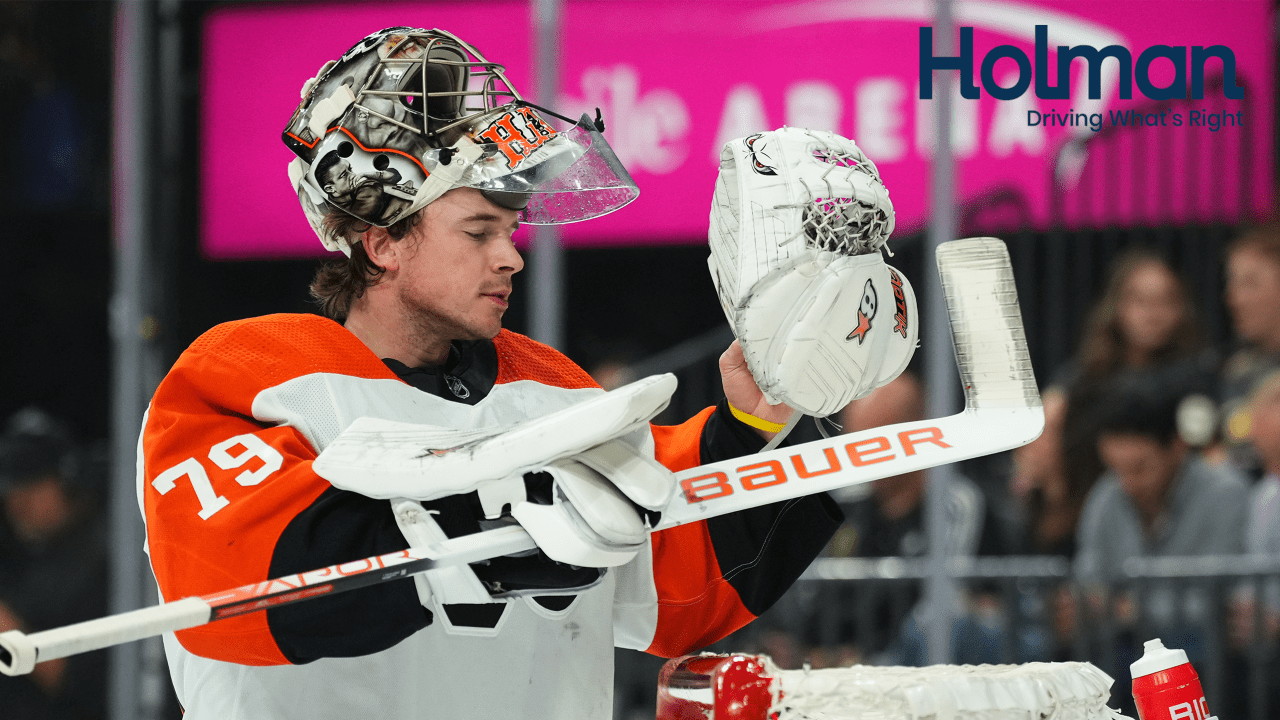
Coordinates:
column 408, row 114
column 798, row 221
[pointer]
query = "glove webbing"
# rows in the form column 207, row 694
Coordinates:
column 842, row 225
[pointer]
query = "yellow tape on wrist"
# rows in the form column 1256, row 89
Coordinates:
column 755, row 422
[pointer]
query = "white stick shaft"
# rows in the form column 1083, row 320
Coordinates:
column 711, row 490
column 19, row 652
column 732, row 485
column 26, row 650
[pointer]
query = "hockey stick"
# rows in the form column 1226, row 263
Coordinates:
column 20, row 652
column 1002, row 411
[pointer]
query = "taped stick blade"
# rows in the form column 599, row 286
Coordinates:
column 986, row 324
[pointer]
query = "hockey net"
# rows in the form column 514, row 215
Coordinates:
column 750, row 687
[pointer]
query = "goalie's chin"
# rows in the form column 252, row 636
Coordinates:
column 483, row 325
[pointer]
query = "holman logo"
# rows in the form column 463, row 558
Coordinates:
column 1129, row 71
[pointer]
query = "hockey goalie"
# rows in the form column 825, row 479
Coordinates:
column 245, row 473
column 289, row 464
column 403, row 510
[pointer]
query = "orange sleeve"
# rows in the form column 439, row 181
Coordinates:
column 714, row 576
column 679, row 446
column 696, row 605
column 211, row 528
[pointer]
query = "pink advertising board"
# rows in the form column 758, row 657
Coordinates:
column 677, row 79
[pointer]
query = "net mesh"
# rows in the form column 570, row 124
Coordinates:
column 748, row 687
column 1057, row 691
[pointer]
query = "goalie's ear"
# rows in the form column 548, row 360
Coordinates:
column 904, row 332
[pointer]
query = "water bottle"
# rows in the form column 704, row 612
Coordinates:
column 1165, row 686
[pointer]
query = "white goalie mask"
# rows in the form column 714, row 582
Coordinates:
column 798, row 221
column 408, row 114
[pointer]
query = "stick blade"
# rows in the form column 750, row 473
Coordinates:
column 986, row 324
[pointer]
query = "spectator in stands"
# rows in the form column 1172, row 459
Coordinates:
column 1249, row 626
column 54, row 567
column 1253, row 297
column 1047, row 506
column 891, row 522
column 1144, row 324
column 1262, row 528
column 1157, row 498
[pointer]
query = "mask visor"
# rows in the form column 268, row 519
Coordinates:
column 567, row 176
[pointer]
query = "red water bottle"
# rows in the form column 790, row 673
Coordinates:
column 1165, row 686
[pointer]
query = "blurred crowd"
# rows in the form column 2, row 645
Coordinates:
column 53, row 560
column 54, row 537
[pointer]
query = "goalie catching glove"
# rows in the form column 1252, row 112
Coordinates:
column 582, row 482
column 797, row 224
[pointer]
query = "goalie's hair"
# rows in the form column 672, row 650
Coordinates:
column 338, row 283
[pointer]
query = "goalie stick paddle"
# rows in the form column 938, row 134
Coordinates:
column 1002, row 411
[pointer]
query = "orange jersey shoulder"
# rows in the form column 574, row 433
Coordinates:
column 284, row 346
column 522, row 358
column 209, row 525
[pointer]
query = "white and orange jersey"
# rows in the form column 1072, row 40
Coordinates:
column 229, row 498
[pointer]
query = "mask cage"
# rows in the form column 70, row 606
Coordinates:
column 447, row 112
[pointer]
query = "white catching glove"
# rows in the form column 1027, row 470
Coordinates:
column 797, row 224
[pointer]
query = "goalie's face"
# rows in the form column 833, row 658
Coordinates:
column 454, row 278
column 1253, row 296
